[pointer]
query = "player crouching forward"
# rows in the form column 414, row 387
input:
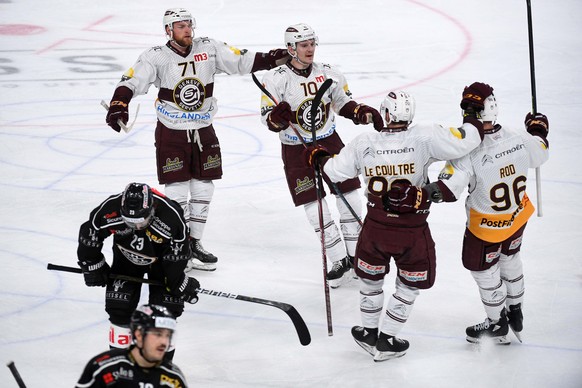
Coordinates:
column 392, row 163
column 144, row 364
column 150, row 236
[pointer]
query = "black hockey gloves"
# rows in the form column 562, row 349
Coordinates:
column 537, row 124
column 267, row 61
column 96, row 275
column 474, row 96
column 278, row 57
column 405, row 198
column 314, row 155
column 362, row 114
column 366, row 115
column 279, row 117
column 119, row 108
column 189, row 288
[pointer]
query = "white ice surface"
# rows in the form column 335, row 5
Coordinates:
column 58, row 160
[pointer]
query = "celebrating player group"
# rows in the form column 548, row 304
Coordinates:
column 160, row 234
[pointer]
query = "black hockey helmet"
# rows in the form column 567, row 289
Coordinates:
column 149, row 316
column 137, row 205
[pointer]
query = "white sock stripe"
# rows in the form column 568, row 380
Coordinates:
column 372, row 293
column 371, row 311
column 403, row 300
column 493, row 288
column 517, row 279
column 395, row 318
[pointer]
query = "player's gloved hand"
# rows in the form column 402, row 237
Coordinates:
column 119, row 107
column 277, row 57
column 118, row 110
column 189, row 288
column 279, row 117
column 474, row 97
column 314, row 155
column 365, row 114
column 96, row 274
column 537, row 124
column 404, row 198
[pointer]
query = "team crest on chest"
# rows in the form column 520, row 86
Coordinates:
column 189, row 94
column 304, row 115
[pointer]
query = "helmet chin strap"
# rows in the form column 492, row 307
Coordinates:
column 296, row 57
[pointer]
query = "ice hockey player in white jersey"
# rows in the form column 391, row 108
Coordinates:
column 293, row 86
column 393, row 164
column 188, row 154
column 498, row 209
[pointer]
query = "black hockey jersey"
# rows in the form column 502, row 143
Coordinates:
column 165, row 239
column 117, row 368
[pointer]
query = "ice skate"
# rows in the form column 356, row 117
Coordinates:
column 366, row 338
column 339, row 273
column 515, row 318
column 389, row 347
column 496, row 331
column 201, row 259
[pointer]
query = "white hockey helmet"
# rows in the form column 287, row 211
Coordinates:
column 398, row 106
column 173, row 15
column 490, row 111
column 299, row 33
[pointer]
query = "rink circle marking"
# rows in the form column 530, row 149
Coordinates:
column 38, row 301
column 21, row 29
column 60, row 142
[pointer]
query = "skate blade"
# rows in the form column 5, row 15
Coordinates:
column 368, row 348
column 517, row 335
column 501, row 340
column 345, row 279
column 384, row 356
column 200, row 266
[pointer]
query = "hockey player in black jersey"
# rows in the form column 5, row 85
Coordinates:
column 150, row 236
column 143, row 364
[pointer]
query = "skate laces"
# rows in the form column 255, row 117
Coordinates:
column 200, row 248
column 483, row 325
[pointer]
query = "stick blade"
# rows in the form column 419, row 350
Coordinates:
column 300, row 326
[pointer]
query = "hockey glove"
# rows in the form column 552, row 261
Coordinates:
column 362, row 114
column 278, row 57
column 405, row 198
column 279, row 117
column 95, row 274
column 315, row 155
column 474, row 97
column 189, row 288
column 537, row 124
column 119, row 108
column 365, row 114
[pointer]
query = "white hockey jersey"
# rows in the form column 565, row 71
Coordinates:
column 382, row 158
column 496, row 173
column 186, row 82
column 285, row 85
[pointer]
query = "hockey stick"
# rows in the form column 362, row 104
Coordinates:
column 319, row 190
column 533, row 100
column 126, row 128
column 334, row 185
column 298, row 322
column 16, row 375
